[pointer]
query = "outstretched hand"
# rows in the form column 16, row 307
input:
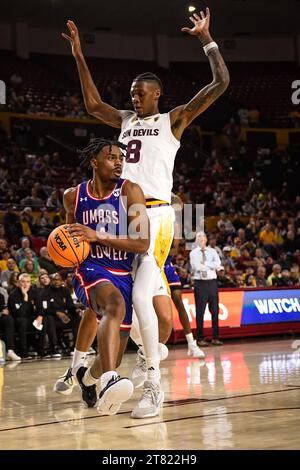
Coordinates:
column 201, row 24
column 74, row 39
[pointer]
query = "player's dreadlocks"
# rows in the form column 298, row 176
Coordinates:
column 149, row 77
column 94, row 147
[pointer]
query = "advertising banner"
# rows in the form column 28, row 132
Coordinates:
column 242, row 308
column 271, row 307
column 230, row 308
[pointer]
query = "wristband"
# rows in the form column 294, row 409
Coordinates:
column 209, row 46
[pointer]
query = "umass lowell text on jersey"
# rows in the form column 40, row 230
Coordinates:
column 109, row 215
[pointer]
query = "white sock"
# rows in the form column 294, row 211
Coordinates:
column 88, row 379
column 189, row 338
column 78, row 360
column 153, row 373
column 106, row 376
column 143, row 290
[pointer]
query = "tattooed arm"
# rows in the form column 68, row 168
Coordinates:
column 183, row 115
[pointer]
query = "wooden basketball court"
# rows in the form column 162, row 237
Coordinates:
column 244, row 395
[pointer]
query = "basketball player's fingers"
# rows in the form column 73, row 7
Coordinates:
column 197, row 17
column 185, row 30
column 207, row 11
column 66, row 37
column 202, row 15
column 192, row 19
column 73, row 26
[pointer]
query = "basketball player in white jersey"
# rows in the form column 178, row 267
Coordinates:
column 153, row 140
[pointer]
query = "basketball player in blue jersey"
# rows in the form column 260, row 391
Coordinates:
column 103, row 280
column 152, row 141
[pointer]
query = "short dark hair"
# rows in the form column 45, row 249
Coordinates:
column 149, row 77
column 94, row 147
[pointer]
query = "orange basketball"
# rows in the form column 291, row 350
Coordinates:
column 64, row 250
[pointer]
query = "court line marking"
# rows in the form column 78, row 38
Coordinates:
column 212, row 415
column 169, row 404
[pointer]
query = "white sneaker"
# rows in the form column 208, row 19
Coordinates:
column 65, row 384
column 195, row 351
column 117, row 391
column 150, row 402
column 163, row 351
column 12, row 356
column 91, row 351
column 139, row 373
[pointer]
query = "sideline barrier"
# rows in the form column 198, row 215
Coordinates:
column 246, row 312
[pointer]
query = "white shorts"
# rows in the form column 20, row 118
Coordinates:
column 162, row 286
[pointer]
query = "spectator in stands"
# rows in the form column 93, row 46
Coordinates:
column 29, row 255
column 59, row 312
column 259, row 256
column 3, row 234
column 30, row 269
column 4, row 256
column 250, row 281
column 222, row 279
column 184, row 277
column 46, row 262
column 44, row 224
column 7, row 325
column 239, row 280
column 290, row 244
column 225, row 221
column 26, row 222
column 236, row 249
column 11, row 224
column 245, row 260
column 276, row 273
column 13, row 282
column 213, row 244
column 25, row 244
column 54, row 200
column 261, row 280
column 33, row 200
column 268, row 238
column 59, row 217
column 221, row 236
column 3, row 244
column 294, row 276
column 284, row 280
column 22, row 307
column 5, row 275
column 237, row 221
column 44, row 281
column 226, row 258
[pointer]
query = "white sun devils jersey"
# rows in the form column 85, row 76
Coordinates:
column 151, row 151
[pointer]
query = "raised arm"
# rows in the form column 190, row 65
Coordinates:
column 92, row 99
column 183, row 115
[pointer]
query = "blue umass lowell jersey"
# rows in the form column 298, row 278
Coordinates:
column 109, row 215
column 104, row 264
